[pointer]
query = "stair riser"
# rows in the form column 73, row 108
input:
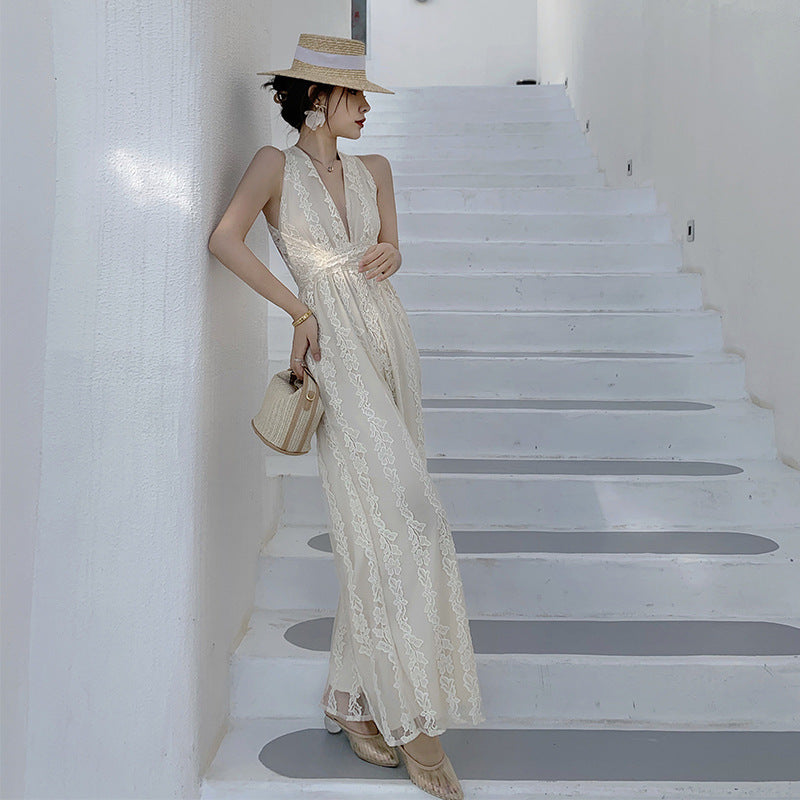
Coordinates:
column 577, row 200
column 528, row 257
column 704, row 435
column 563, row 690
column 534, row 227
column 493, row 105
column 508, row 100
column 575, row 379
column 686, row 332
column 478, row 149
column 558, row 501
column 553, row 586
column 377, row 127
column 450, row 119
column 541, row 180
column 429, row 169
column 482, row 139
column 513, row 93
column 547, row 292
column 746, row 432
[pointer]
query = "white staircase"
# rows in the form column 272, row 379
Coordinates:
column 628, row 539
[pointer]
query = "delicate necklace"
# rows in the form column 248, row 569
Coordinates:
column 328, row 167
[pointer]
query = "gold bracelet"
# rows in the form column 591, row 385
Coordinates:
column 302, row 318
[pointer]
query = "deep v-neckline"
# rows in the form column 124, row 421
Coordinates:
column 344, row 157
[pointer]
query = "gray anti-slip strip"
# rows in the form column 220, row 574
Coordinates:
column 516, row 754
column 547, row 354
column 528, row 541
column 561, row 405
column 578, row 466
column 601, row 637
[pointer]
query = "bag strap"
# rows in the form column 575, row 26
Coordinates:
column 306, row 371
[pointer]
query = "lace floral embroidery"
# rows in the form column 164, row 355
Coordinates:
column 401, row 651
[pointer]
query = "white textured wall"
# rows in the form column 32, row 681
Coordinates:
column 450, row 42
column 152, row 503
column 704, row 97
column 28, row 197
column 238, row 508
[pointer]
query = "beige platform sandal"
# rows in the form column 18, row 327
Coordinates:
column 371, row 747
column 438, row 779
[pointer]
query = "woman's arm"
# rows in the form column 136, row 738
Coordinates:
column 260, row 183
column 384, row 258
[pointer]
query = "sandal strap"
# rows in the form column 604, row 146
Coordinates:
column 359, row 734
column 425, row 766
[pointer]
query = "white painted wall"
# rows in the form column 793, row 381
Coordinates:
column 236, row 505
column 132, row 587
column 450, row 42
column 28, row 197
column 134, row 496
column 704, row 97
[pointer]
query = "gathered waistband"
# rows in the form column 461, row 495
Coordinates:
column 325, row 262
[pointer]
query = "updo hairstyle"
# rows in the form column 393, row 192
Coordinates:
column 293, row 97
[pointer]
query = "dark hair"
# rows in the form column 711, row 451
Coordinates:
column 293, row 97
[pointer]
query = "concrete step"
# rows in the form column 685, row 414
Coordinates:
column 295, row 757
column 701, row 672
column 499, row 102
column 688, row 331
column 477, row 148
column 378, row 125
column 512, row 137
column 558, row 585
column 520, row 180
column 544, row 200
column 733, row 429
column 479, row 93
column 584, row 494
column 532, row 257
column 463, row 428
column 494, row 165
column 622, row 542
column 533, row 227
column 508, row 106
column 451, row 119
column 587, row 376
column 547, row 291
column 514, row 331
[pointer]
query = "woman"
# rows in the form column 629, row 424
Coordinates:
column 402, row 666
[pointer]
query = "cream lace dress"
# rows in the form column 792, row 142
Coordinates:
column 401, row 651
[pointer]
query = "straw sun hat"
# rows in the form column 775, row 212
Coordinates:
column 330, row 59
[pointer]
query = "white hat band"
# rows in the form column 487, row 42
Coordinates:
column 336, row 60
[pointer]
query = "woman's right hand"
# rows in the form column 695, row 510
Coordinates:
column 305, row 336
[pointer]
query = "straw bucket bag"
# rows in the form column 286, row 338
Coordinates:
column 290, row 413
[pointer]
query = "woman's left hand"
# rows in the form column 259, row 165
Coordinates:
column 380, row 261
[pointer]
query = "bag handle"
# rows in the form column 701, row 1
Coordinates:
column 306, row 371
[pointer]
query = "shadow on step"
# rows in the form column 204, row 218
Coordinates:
column 560, row 755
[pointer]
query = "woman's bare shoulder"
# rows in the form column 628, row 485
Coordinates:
column 266, row 170
column 380, row 169
column 268, row 158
